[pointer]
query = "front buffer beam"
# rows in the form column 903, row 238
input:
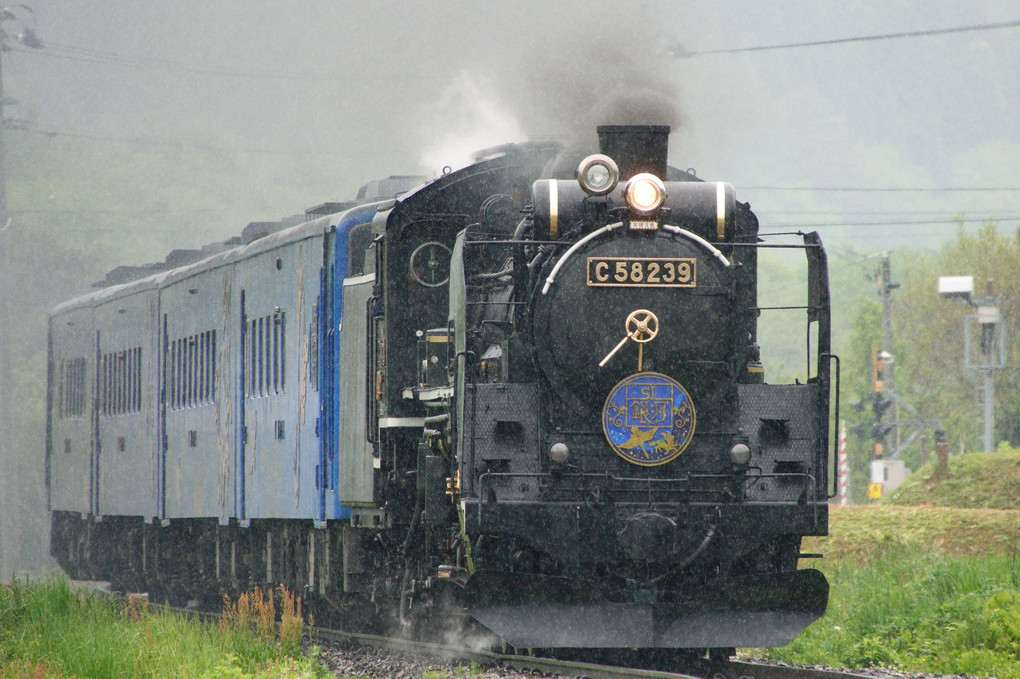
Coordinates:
column 535, row 611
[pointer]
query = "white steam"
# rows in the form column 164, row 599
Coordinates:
column 471, row 117
column 554, row 84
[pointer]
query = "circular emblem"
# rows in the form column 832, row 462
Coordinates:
column 648, row 419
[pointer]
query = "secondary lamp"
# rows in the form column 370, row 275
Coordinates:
column 598, row 174
column 559, row 453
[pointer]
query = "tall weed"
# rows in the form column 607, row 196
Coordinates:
column 291, row 623
column 257, row 611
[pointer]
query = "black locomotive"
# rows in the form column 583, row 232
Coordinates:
column 527, row 393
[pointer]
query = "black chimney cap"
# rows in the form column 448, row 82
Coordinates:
column 636, row 148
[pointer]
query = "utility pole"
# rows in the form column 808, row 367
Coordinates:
column 887, row 469
column 986, row 361
column 885, row 288
column 27, row 38
column 885, row 435
column 5, row 340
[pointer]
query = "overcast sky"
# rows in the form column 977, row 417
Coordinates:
column 337, row 93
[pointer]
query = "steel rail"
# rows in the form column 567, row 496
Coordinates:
column 703, row 669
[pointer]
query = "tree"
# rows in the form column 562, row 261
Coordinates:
column 934, row 329
column 929, row 343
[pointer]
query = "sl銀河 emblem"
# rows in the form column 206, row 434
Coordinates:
column 648, row 419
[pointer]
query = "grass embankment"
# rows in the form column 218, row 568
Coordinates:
column 46, row 630
column 988, row 480
column 924, row 588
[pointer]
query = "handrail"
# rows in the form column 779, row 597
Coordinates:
column 835, row 438
column 485, row 479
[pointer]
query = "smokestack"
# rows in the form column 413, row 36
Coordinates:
column 636, row 148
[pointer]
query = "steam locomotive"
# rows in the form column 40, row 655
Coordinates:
column 526, row 395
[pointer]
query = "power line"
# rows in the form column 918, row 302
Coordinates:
column 172, row 144
column 71, row 53
column 141, row 210
column 874, row 213
column 849, row 257
column 679, row 51
column 885, row 189
column 905, row 222
column 320, row 152
column 845, row 262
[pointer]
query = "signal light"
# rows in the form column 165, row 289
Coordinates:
column 879, row 431
column 880, row 403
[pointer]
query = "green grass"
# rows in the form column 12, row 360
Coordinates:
column 920, row 613
column 922, row 589
column 46, row 630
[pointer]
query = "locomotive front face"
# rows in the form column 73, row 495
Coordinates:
column 637, row 323
column 627, row 463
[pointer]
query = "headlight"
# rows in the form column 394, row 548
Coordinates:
column 598, row 175
column 644, row 193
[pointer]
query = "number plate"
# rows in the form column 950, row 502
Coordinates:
column 645, row 272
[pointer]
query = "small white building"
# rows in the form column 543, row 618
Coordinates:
column 886, row 476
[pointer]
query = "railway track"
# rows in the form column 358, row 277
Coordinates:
column 535, row 665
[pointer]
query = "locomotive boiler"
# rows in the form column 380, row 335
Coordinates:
column 527, row 394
